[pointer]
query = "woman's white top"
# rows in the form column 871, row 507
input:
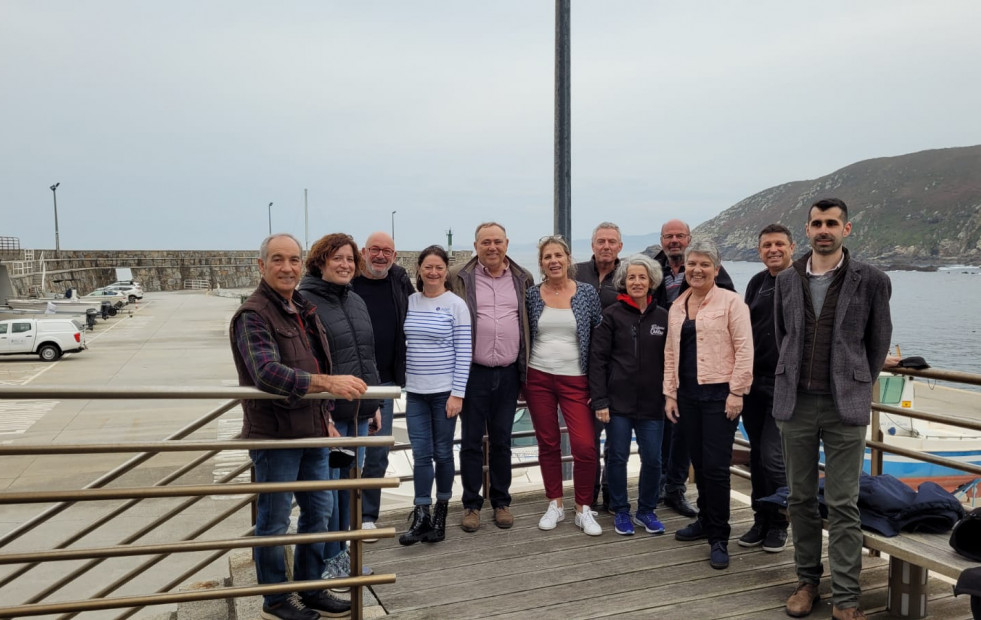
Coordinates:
column 438, row 345
column 556, row 348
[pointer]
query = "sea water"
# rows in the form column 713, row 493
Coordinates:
column 934, row 314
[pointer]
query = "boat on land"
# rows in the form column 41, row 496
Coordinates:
column 942, row 440
column 54, row 305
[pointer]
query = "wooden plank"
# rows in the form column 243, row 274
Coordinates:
column 922, row 550
column 715, row 595
column 524, row 572
column 676, row 571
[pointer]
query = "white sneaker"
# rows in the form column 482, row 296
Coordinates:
column 552, row 516
column 587, row 523
column 369, row 525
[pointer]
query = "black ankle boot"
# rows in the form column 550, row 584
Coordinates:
column 438, row 531
column 420, row 528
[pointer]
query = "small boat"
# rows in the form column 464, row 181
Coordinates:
column 943, row 440
column 54, row 305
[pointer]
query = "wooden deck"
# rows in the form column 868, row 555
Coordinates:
column 524, row 573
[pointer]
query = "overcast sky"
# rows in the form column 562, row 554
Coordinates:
column 172, row 124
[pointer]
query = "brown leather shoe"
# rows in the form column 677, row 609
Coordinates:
column 848, row 613
column 801, row 602
column 471, row 520
column 503, row 517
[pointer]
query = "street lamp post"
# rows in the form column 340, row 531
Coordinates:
column 270, row 219
column 393, row 225
column 54, row 194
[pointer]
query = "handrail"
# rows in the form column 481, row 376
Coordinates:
column 929, row 417
column 110, row 475
column 163, row 488
column 300, row 486
column 939, row 374
column 878, row 447
column 194, row 446
column 180, row 392
column 203, row 595
column 191, row 546
column 924, row 456
column 146, row 450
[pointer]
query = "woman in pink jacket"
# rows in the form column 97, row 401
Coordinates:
column 708, row 367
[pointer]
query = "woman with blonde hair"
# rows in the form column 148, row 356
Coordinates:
column 562, row 314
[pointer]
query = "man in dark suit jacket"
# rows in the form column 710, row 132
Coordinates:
column 833, row 330
column 598, row 272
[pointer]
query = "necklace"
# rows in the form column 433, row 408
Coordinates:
column 554, row 290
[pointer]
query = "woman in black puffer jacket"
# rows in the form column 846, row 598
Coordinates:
column 332, row 263
column 626, row 372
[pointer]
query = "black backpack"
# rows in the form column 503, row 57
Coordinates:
column 965, row 538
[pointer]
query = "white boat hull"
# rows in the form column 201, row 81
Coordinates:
column 61, row 305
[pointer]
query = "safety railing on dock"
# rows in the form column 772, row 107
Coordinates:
column 145, row 541
column 877, row 444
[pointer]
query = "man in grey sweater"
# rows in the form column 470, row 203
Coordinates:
column 833, row 330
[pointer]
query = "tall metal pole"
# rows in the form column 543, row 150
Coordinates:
column 563, row 122
column 54, row 194
column 563, row 154
column 270, row 219
column 306, row 223
column 393, row 225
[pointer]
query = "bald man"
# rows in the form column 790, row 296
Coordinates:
column 385, row 288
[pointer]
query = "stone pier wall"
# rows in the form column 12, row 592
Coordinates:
column 156, row 270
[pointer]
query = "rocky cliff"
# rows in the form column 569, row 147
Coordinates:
column 913, row 210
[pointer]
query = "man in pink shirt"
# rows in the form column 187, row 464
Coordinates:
column 494, row 288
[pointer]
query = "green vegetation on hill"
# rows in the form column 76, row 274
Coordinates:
column 919, row 209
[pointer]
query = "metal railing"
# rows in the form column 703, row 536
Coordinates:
column 129, row 546
column 188, row 541
column 877, row 445
column 880, row 448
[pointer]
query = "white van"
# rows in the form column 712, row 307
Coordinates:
column 49, row 338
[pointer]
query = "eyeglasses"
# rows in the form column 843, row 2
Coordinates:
column 386, row 252
column 678, row 236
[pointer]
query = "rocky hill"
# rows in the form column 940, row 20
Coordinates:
column 913, row 210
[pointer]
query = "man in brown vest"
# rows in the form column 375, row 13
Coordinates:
column 280, row 347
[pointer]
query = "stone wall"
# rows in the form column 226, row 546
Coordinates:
column 156, row 270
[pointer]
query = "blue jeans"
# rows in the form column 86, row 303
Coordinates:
column 649, row 432
column 431, row 436
column 376, row 463
column 273, row 514
column 340, row 519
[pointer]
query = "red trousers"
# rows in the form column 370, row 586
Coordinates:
column 546, row 394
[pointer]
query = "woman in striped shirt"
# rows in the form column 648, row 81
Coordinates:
column 438, row 352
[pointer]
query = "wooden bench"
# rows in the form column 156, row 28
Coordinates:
column 911, row 557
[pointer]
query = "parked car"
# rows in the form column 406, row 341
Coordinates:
column 104, row 294
column 48, row 338
column 133, row 291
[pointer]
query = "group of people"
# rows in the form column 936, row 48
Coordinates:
column 662, row 350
